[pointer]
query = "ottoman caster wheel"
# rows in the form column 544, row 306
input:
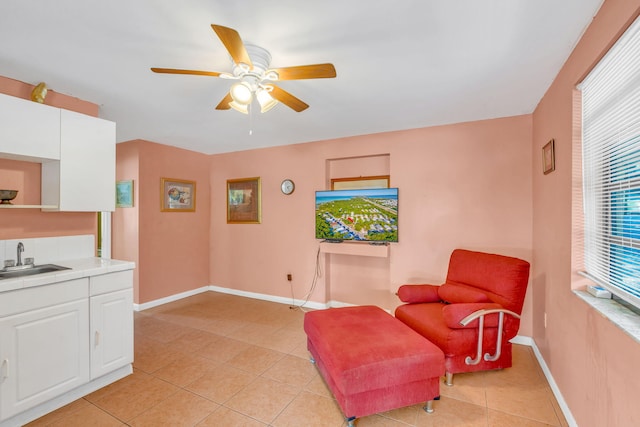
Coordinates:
column 428, row 407
column 351, row 421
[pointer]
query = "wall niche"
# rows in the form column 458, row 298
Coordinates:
column 349, row 272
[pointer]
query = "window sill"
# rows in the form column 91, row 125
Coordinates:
column 621, row 316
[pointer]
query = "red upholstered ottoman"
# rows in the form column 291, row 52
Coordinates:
column 371, row 361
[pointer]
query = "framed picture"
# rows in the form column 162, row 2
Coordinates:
column 379, row 181
column 124, row 194
column 549, row 157
column 177, row 195
column 243, row 201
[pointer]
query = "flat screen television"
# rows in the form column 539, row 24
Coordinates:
column 367, row 215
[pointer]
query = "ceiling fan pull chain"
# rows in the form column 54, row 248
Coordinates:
column 250, row 119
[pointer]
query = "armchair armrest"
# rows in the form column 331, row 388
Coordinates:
column 480, row 315
column 483, row 312
column 414, row 294
column 454, row 314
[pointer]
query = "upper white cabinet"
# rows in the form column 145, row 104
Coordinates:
column 28, row 130
column 84, row 178
column 77, row 152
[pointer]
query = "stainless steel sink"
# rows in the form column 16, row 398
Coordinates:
column 30, row 271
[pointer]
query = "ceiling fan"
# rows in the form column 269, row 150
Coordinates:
column 251, row 69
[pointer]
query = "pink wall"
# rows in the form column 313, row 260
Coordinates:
column 593, row 362
column 171, row 249
column 25, row 177
column 125, row 224
column 464, row 185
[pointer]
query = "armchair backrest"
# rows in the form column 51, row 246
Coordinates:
column 504, row 279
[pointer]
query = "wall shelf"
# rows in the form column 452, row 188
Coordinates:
column 361, row 249
column 28, row 206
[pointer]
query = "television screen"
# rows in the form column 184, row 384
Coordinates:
column 369, row 215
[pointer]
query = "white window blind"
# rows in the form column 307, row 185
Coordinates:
column 611, row 168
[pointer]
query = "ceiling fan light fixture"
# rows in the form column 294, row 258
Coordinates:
column 266, row 101
column 241, row 93
column 243, row 108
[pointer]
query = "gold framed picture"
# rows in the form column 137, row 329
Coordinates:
column 243, row 201
column 378, row 181
column 177, row 195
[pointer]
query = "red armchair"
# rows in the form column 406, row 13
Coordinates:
column 474, row 314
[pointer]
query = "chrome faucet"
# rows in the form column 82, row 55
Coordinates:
column 20, row 250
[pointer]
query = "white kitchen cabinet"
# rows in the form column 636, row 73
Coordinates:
column 44, row 344
column 77, row 153
column 111, row 322
column 28, row 130
column 63, row 340
column 84, row 178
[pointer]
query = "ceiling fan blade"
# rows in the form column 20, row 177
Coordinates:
column 232, row 41
column 193, row 72
column 224, row 104
column 287, row 99
column 315, row 71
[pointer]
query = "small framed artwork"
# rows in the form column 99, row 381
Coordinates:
column 124, row 194
column 549, row 157
column 243, row 201
column 379, row 181
column 177, row 195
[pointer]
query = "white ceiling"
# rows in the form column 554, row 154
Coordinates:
column 401, row 64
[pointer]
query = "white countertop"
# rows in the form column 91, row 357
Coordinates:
column 85, row 267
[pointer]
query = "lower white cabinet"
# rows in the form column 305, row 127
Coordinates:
column 60, row 338
column 45, row 351
column 111, row 331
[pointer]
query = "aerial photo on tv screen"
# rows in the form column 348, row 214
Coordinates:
column 363, row 214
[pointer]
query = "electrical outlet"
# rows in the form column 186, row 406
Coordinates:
column 289, row 278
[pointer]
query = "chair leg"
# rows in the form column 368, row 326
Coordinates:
column 448, row 379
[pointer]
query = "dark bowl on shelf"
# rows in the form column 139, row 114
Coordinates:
column 7, row 195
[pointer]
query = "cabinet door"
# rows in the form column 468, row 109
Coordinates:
column 28, row 130
column 84, row 178
column 111, row 331
column 43, row 353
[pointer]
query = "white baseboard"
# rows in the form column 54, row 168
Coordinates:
column 523, row 340
column 265, row 297
column 272, row 298
column 170, row 298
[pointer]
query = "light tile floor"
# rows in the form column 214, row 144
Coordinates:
column 220, row 360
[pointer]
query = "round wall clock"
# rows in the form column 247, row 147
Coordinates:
column 287, row 186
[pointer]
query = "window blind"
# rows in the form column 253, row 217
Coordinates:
column 611, row 168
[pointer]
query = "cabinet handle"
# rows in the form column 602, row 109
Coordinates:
column 97, row 339
column 5, row 370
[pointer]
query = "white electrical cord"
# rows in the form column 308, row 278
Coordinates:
column 316, row 275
